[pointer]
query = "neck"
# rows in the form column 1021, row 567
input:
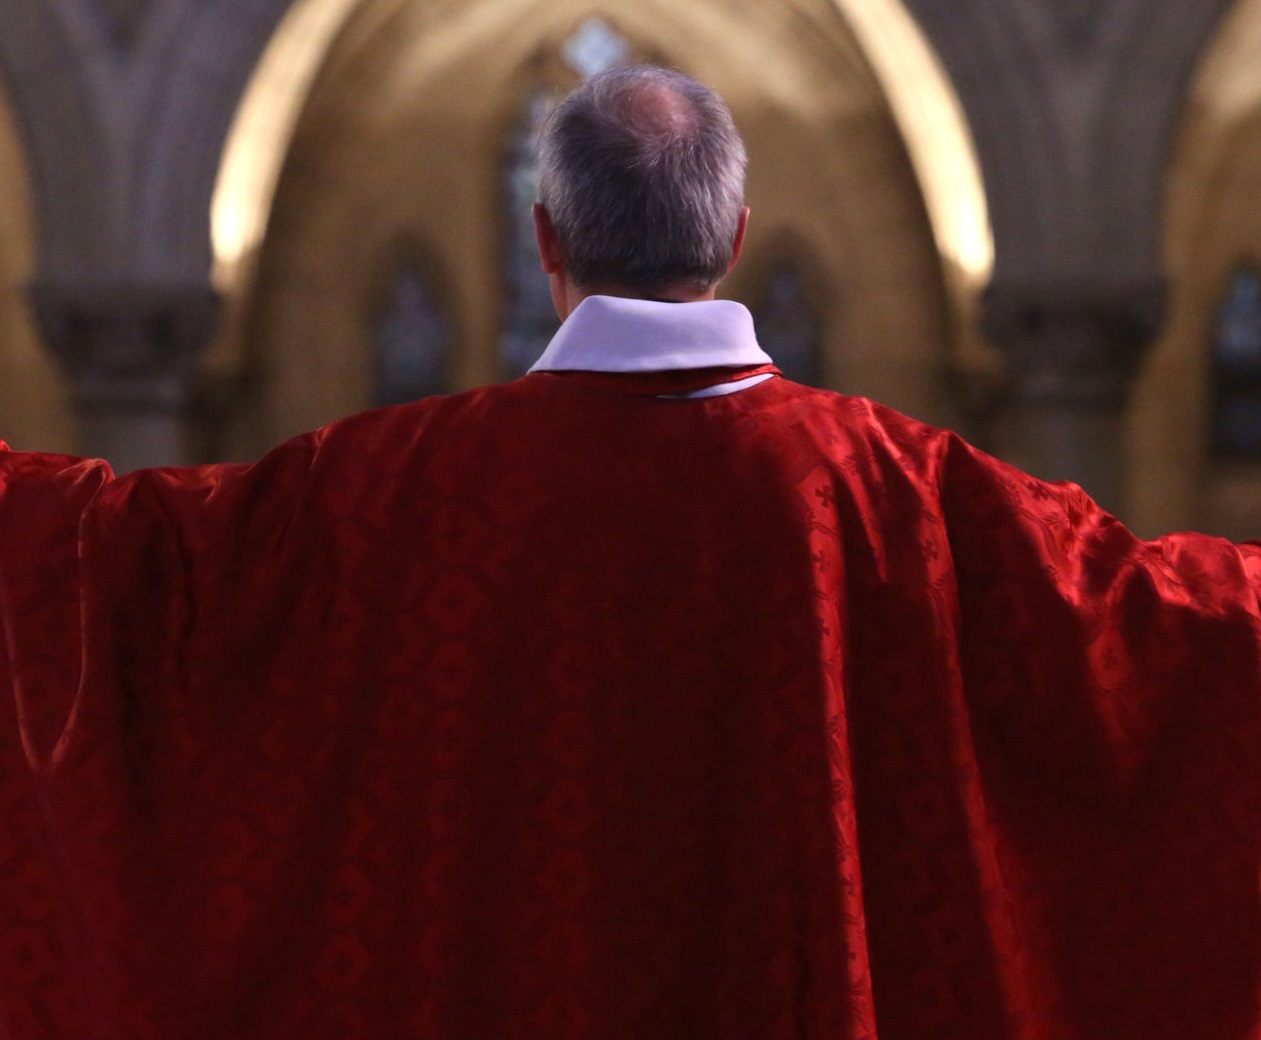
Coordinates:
column 572, row 295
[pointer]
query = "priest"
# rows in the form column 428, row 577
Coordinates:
column 649, row 697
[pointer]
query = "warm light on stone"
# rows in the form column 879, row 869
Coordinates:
column 260, row 135
column 937, row 136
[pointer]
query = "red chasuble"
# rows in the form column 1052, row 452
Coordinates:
column 562, row 711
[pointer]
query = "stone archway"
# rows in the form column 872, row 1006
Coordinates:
column 35, row 409
column 402, row 131
column 1212, row 224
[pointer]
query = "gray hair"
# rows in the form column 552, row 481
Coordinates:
column 642, row 174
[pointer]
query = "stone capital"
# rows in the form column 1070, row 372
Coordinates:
column 127, row 345
column 1072, row 344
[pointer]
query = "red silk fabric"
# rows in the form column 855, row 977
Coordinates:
column 558, row 711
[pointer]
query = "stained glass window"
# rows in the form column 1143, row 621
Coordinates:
column 1237, row 368
column 530, row 321
column 595, row 48
column 412, row 342
column 787, row 327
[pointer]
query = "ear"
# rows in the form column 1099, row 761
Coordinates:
column 550, row 254
column 737, row 243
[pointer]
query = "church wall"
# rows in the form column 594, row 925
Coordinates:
column 35, row 409
column 1212, row 225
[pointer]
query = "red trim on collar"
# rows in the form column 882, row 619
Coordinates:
column 674, row 381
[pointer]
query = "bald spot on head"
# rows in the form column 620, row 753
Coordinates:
column 654, row 111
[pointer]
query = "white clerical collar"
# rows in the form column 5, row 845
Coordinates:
column 614, row 334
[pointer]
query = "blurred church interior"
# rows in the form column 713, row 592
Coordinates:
column 224, row 222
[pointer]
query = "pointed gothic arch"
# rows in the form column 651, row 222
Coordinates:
column 1178, row 477
column 437, row 88
column 923, row 101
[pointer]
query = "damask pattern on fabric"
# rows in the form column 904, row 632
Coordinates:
column 559, row 711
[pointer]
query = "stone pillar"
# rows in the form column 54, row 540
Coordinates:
column 1071, row 352
column 131, row 350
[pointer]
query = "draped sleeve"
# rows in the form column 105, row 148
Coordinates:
column 42, row 501
column 1112, row 694
column 1047, row 777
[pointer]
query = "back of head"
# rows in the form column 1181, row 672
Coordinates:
column 642, row 174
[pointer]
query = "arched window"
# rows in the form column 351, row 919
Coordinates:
column 412, row 342
column 1237, row 368
column 787, row 327
column 531, row 321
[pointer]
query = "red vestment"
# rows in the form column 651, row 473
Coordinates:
column 558, row 711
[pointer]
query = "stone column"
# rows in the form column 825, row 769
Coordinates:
column 1072, row 351
column 131, row 350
